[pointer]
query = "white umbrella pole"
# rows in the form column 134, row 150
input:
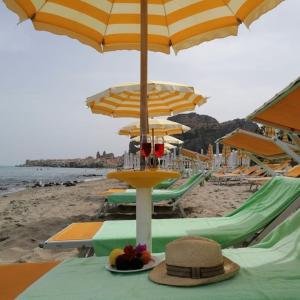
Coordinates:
column 144, row 217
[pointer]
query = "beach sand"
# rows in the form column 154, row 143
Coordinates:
column 30, row 217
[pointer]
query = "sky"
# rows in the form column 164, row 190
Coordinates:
column 45, row 80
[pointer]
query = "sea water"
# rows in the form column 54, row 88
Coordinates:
column 18, row 178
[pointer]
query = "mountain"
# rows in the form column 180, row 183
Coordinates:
column 206, row 130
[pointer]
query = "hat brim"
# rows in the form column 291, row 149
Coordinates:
column 159, row 275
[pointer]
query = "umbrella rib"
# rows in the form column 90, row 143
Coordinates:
column 239, row 20
column 167, row 24
column 38, row 10
column 104, row 33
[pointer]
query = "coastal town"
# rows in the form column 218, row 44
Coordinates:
column 104, row 160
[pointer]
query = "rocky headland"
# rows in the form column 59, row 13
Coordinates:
column 206, row 130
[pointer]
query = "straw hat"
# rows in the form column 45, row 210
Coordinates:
column 193, row 261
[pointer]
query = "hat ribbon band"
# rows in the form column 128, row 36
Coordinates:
column 195, row 273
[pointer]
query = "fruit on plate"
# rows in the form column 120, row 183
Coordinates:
column 113, row 256
column 136, row 263
column 146, row 257
column 130, row 258
column 122, row 262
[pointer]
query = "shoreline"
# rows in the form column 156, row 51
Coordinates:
column 15, row 179
column 20, row 189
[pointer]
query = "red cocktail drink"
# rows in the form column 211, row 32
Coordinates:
column 159, row 150
column 146, row 149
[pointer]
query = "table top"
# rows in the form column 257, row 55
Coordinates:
column 87, row 279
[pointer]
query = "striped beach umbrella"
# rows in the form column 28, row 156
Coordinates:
column 157, row 127
column 167, row 139
column 169, row 146
column 156, row 25
column 166, row 146
column 210, row 152
column 115, row 25
column 164, row 99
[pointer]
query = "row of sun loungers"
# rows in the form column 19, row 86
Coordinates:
column 276, row 257
column 240, row 227
column 254, row 175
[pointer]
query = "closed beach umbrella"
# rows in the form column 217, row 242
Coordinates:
column 285, row 138
column 226, row 153
column 210, row 152
column 239, row 156
column 157, row 127
column 164, row 99
column 270, row 131
column 167, row 138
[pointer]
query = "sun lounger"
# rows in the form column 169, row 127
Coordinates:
column 250, row 170
column 293, row 172
column 79, row 235
column 158, row 195
column 238, row 176
column 163, row 185
column 76, row 235
column 15, row 278
column 166, row 184
column 268, row 270
column 240, row 226
column 226, row 178
column 238, row 170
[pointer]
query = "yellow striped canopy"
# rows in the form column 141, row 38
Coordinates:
column 282, row 111
column 193, row 155
column 164, row 99
column 167, row 139
column 257, row 144
column 108, row 25
column 160, row 128
column 210, row 152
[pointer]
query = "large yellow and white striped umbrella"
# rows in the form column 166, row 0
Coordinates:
column 164, row 99
column 157, row 127
column 115, row 24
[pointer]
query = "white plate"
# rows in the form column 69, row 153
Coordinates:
column 154, row 262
